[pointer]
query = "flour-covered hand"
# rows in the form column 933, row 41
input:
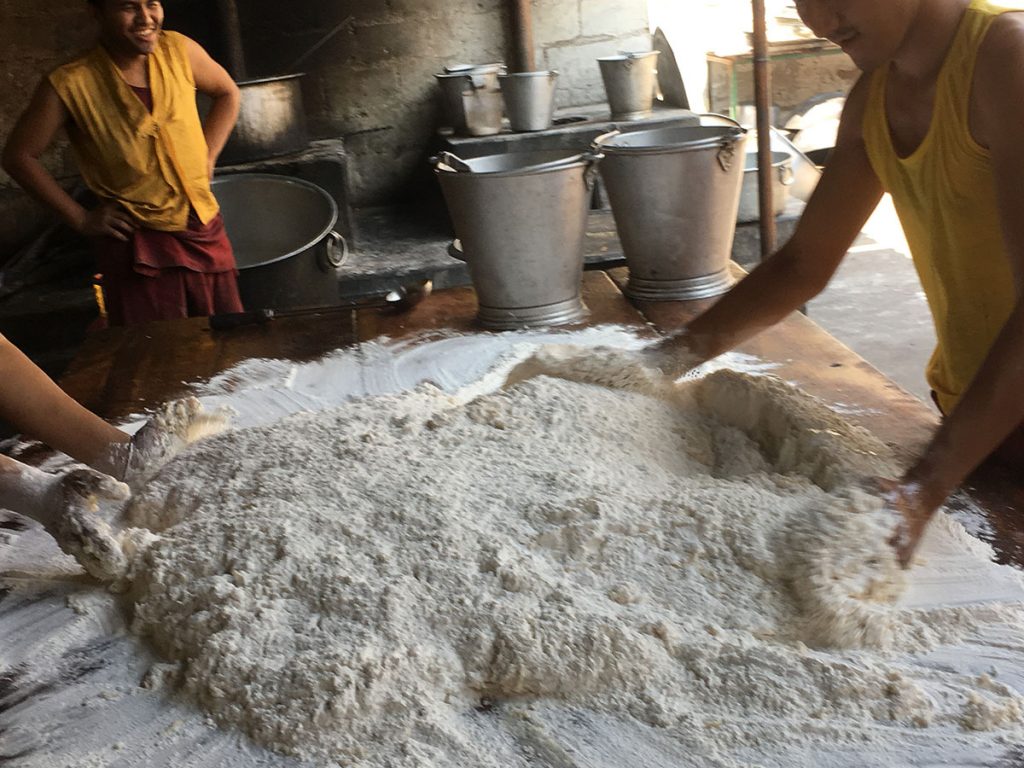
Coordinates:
column 77, row 504
column 908, row 500
column 673, row 356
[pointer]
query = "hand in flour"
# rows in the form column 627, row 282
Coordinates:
column 176, row 425
column 72, row 511
column 674, row 356
column 906, row 499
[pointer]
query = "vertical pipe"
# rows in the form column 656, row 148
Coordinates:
column 763, row 100
column 523, row 23
column 232, row 32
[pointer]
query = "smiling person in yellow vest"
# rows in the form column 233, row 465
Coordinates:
column 129, row 109
column 936, row 120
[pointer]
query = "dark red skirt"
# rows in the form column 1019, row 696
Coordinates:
column 168, row 275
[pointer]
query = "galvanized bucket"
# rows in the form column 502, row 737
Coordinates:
column 674, row 193
column 521, row 218
column 529, row 99
column 782, row 180
column 629, row 80
column 472, row 100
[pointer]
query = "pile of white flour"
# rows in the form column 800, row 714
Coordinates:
column 351, row 586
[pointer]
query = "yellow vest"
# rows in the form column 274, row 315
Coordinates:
column 946, row 200
column 155, row 165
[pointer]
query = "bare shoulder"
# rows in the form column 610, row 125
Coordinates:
column 850, row 127
column 1002, row 53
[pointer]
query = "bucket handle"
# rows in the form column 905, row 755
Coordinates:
column 786, row 176
column 714, row 117
column 335, row 254
column 726, row 155
column 591, row 158
column 455, row 250
column 595, row 145
column 446, row 161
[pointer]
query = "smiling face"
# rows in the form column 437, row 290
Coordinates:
column 130, row 27
column 869, row 31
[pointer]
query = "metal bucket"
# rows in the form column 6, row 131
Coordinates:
column 782, row 180
column 674, row 193
column 521, row 218
column 472, row 100
column 282, row 232
column 271, row 121
column 529, row 99
column 629, row 80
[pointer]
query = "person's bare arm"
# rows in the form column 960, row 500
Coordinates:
column 848, row 192
column 213, row 80
column 992, row 406
column 32, row 135
column 32, row 403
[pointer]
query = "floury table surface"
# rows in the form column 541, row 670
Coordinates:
column 77, row 679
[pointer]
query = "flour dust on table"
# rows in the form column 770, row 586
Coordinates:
column 433, row 579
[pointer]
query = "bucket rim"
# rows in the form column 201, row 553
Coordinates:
column 629, row 56
column 778, row 158
column 572, row 160
column 289, row 181
column 539, row 73
column 714, row 136
column 274, row 79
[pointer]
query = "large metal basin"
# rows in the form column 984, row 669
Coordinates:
column 282, row 232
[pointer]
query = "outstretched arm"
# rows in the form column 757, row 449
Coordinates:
column 35, row 405
column 991, row 407
column 843, row 200
column 213, row 80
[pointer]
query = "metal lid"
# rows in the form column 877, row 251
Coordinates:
column 514, row 163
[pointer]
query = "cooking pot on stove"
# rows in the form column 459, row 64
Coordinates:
column 271, row 120
column 282, row 233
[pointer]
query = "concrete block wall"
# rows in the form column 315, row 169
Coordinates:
column 372, row 84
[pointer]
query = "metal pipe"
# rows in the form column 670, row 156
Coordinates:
column 523, row 26
column 231, row 30
column 763, row 101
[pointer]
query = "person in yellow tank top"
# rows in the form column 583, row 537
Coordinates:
column 936, row 119
column 129, row 110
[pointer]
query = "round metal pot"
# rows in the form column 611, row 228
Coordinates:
column 271, row 121
column 674, row 193
column 782, row 180
column 282, row 233
column 521, row 218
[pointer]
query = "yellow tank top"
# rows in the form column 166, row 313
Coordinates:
column 945, row 197
column 155, row 165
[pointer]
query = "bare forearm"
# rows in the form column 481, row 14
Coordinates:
column 766, row 296
column 219, row 122
column 34, row 404
column 36, row 180
column 990, row 410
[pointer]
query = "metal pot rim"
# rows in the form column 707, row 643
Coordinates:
column 629, row 56
column 715, row 136
column 570, row 161
column 778, row 159
column 290, row 180
column 538, row 73
column 262, row 80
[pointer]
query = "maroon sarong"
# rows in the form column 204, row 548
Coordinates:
column 168, row 275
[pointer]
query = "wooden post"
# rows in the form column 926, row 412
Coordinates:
column 523, row 24
column 763, row 101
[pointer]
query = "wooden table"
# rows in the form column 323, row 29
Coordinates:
column 128, row 370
